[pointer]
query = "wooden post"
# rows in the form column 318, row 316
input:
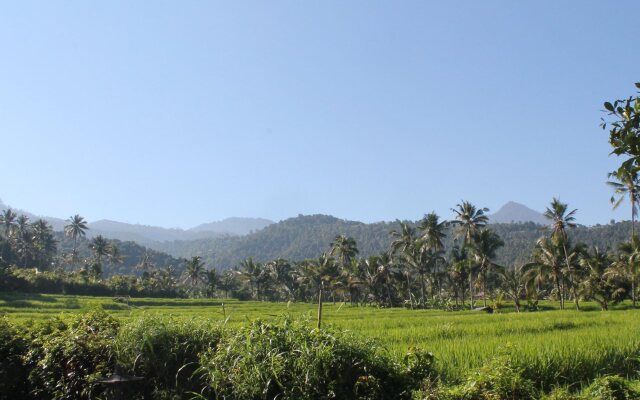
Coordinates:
column 320, row 305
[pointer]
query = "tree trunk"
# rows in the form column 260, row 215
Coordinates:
column 422, row 289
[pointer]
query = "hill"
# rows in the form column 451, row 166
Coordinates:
column 309, row 236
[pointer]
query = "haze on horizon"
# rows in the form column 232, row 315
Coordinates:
column 175, row 114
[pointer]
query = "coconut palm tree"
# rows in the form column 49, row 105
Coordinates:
column 597, row 284
column 194, row 271
column 99, row 246
column 8, row 221
column 484, row 246
column 626, row 184
column 627, row 264
column 547, row 266
column 344, row 248
column 44, row 242
column 469, row 219
column 250, row 272
column 561, row 220
column 76, row 227
column 514, row 283
column 459, row 271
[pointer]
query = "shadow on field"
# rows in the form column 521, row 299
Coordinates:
column 25, row 299
column 169, row 303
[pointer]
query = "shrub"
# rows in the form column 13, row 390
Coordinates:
column 67, row 359
column 166, row 353
column 288, row 360
column 499, row 379
column 13, row 373
column 611, row 388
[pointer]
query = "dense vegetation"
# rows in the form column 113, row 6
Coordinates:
column 434, row 354
column 306, row 236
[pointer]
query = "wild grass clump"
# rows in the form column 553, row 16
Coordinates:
column 67, row 358
column 13, row 373
column 166, row 353
column 288, row 360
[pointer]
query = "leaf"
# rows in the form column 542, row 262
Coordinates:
column 638, row 85
column 608, row 106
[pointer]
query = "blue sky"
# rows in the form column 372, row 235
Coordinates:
column 177, row 113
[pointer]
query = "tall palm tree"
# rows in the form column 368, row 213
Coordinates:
column 432, row 231
column 345, row 248
column 8, row 221
column 195, row 271
column 626, row 183
column 250, row 272
column 44, row 242
column 76, row 227
column 432, row 234
column 99, row 246
column 561, row 220
column 469, row 219
column 459, row 271
column 484, row 246
column 404, row 246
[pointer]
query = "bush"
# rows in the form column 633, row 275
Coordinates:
column 67, row 359
column 611, row 388
column 166, row 353
column 13, row 373
column 288, row 360
column 499, row 379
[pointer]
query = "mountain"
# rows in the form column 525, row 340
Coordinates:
column 308, row 236
column 513, row 212
column 57, row 223
column 234, row 226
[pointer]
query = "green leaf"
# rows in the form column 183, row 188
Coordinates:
column 638, row 85
column 608, row 106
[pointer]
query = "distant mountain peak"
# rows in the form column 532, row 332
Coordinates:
column 516, row 212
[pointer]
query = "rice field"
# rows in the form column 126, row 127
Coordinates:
column 551, row 346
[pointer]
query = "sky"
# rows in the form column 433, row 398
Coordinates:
column 178, row 113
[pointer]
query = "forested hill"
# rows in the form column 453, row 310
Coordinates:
column 306, row 237
column 131, row 254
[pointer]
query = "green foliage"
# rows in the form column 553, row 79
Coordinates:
column 13, row 373
column 610, row 388
column 166, row 353
column 499, row 379
column 287, row 360
column 67, row 358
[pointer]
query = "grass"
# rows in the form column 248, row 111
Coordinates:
column 552, row 346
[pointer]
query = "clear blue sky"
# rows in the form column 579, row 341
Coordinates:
column 176, row 113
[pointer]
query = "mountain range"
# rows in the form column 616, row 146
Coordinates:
column 225, row 243
column 145, row 234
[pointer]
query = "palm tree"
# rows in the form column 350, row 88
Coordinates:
column 404, row 245
column 484, row 246
column 627, row 264
column 8, row 221
column 547, row 265
column 626, row 184
column 514, row 283
column 459, row 271
column 100, row 248
column 431, row 240
column 195, row 271
column 597, row 284
column 469, row 219
column 561, row 219
column 251, row 272
column 44, row 242
column 344, row 248
column 75, row 228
